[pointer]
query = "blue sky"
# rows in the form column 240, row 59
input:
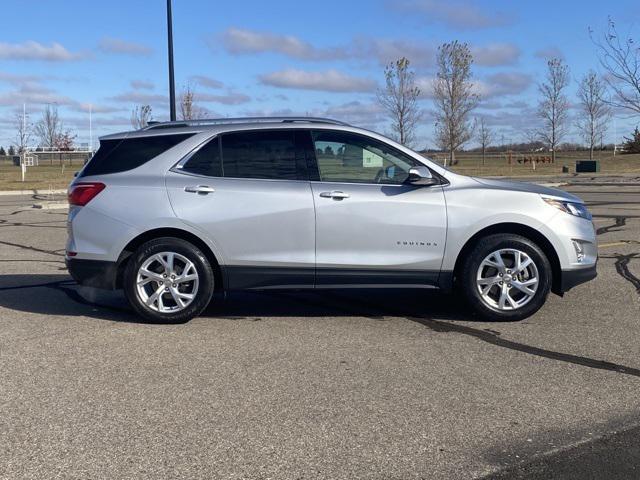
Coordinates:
column 287, row 57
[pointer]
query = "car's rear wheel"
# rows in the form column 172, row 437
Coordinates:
column 168, row 280
column 506, row 277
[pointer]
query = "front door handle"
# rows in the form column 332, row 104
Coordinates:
column 202, row 189
column 335, row 194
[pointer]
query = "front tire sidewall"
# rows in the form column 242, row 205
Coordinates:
column 497, row 242
column 205, row 274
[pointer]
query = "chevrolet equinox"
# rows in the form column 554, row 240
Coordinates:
column 179, row 210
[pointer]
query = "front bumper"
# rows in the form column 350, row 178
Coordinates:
column 93, row 273
column 572, row 278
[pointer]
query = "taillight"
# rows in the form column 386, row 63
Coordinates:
column 82, row 193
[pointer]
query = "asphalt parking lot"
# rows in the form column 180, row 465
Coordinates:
column 377, row 385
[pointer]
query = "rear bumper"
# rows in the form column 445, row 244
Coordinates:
column 93, row 273
column 572, row 278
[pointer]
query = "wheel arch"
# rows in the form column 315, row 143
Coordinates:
column 525, row 231
column 144, row 237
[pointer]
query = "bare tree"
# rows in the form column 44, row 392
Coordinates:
column 24, row 130
column 64, row 142
column 189, row 110
column 49, row 127
column 454, row 97
column 399, row 99
column 140, row 116
column 485, row 136
column 553, row 105
column 620, row 57
column 594, row 111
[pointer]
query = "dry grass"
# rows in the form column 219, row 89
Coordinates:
column 44, row 177
column 471, row 164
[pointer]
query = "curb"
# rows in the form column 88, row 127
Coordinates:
column 604, row 184
column 33, row 192
column 50, row 205
column 551, row 185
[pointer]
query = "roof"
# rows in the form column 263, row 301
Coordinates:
column 222, row 124
column 241, row 120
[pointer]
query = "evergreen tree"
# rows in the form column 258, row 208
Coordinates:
column 632, row 144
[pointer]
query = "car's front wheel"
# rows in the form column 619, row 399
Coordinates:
column 506, row 277
column 168, row 280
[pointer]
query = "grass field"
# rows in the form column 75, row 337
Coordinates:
column 42, row 177
column 498, row 164
column 46, row 177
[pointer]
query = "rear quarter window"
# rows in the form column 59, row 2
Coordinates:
column 124, row 154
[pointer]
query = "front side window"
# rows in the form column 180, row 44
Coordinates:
column 260, row 154
column 352, row 158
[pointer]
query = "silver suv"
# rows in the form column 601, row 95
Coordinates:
column 180, row 210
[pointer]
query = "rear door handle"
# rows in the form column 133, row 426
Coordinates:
column 203, row 189
column 335, row 194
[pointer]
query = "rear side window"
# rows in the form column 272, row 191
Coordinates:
column 260, row 154
column 121, row 155
column 206, row 160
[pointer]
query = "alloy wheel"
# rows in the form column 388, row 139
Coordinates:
column 167, row 282
column 507, row 279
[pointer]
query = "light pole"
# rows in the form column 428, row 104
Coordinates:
column 172, row 83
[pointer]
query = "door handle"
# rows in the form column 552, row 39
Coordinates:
column 336, row 195
column 202, row 189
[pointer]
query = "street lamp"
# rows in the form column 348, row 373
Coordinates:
column 172, row 83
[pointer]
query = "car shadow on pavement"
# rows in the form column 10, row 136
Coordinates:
column 59, row 295
column 50, row 294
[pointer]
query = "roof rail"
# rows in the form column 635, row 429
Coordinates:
column 222, row 121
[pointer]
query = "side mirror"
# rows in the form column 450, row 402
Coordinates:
column 421, row 176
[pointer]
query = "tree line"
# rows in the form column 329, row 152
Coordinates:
column 455, row 97
column 49, row 130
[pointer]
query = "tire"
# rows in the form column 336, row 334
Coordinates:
column 176, row 281
column 482, row 270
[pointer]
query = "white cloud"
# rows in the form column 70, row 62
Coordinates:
column 231, row 98
column 425, row 84
column 327, row 81
column 387, row 50
column 119, row 46
column 40, row 96
column 456, row 14
column 495, row 54
column 501, row 84
column 142, row 85
column 547, row 53
column 141, row 98
column 205, row 81
column 358, row 113
column 86, row 107
column 241, row 41
column 18, row 79
column 492, row 86
column 36, row 51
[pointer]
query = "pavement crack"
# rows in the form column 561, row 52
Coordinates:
column 619, row 222
column 31, row 248
column 622, row 267
column 493, row 339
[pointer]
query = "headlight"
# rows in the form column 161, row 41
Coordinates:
column 572, row 208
